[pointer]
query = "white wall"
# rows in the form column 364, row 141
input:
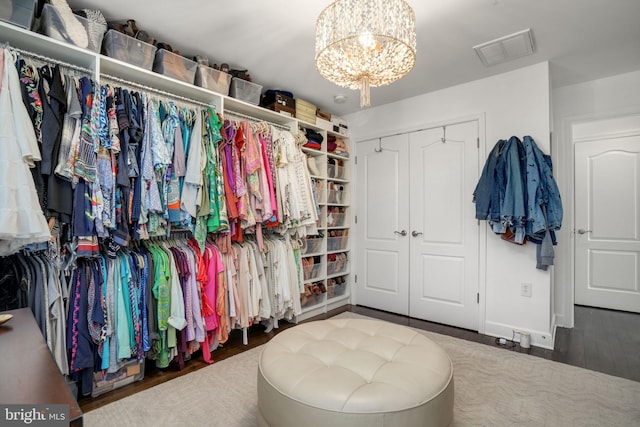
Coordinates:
column 514, row 103
column 597, row 99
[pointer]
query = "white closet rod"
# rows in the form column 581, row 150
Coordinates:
column 115, row 79
column 254, row 119
column 49, row 60
column 420, row 130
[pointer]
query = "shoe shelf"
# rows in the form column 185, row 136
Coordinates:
column 337, row 264
column 331, row 175
column 312, row 300
column 313, row 268
column 338, row 240
column 313, row 246
column 337, row 217
column 336, row 287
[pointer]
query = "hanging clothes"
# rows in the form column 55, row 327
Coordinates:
column 519, row 197
column 122, row 171
column 36, row 284
column 294, row 183
column 22, row 221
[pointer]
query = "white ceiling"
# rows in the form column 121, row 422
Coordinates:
column 274, row 40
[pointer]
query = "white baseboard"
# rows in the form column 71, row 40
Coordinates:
column 538, row 338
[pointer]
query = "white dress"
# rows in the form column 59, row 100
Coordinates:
column 21, row 219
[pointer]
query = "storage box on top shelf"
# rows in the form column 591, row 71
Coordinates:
column 176, row 66
column 273, row 96
column 282, row 109
column 18, row 12
column 245, row 91
column 72, row 29
column 201, row 60
column 306, row 111
column 340, row 125
column 212, row 79
column 324, row 124
column 128, row 49
column 323, row 115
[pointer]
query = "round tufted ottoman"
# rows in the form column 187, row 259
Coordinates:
column 352, row 373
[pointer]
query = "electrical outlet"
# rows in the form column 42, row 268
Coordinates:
column 525, row 289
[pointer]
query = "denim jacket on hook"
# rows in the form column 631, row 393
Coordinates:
column 510, row 191
column 483, row 193
column 543, row 193
column 517, row 190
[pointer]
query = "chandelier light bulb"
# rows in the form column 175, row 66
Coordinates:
column 367, row 40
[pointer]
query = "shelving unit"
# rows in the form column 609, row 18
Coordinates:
column 324, row 270
column 330, row 248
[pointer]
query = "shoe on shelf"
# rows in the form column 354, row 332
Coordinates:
column 313, row 167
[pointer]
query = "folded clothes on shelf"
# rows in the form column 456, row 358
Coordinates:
column 313, row 145
column 314, row 136
column 336, row 145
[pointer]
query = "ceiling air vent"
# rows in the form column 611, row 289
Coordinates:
column 506, row 48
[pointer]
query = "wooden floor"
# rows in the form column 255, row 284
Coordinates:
column 602, row 340
column 607, row 341
column 154, row 376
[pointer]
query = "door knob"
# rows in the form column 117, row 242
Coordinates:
column 415, row 233
column 402, row 233
column 583, row 231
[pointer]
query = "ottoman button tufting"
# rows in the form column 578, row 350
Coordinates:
column 354, row 372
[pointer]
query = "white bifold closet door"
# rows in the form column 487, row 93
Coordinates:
column 417, row 236
column 383, row 224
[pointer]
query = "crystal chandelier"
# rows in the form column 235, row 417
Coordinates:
column 363, row 43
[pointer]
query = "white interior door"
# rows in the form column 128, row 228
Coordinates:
column 444, row 241
column 607, row 218
column 383, row 218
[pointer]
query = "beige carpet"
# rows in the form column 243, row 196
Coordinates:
column 493, row 387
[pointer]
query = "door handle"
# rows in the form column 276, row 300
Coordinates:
column 583, row 231
column 402, row 233
column 415, row 233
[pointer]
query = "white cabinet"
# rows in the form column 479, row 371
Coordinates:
column 327, row 256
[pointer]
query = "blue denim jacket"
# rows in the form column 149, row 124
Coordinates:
column 510, row 191
column 517, row 190
column 483, row 193
column 543, row 194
